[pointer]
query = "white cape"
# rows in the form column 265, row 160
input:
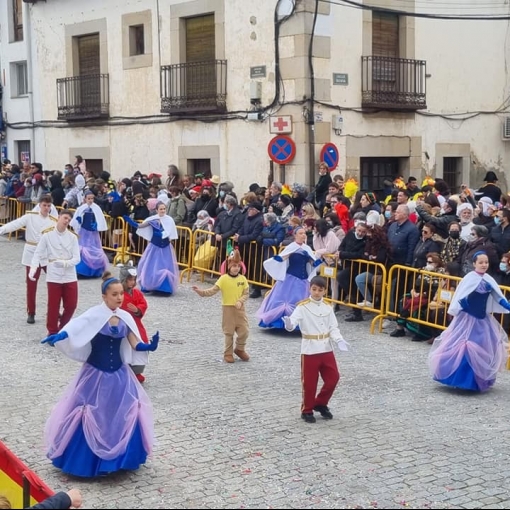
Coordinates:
column 168, row 223
column 278, row 270
column 98, row 213
column 81, row 330
column 468, row 284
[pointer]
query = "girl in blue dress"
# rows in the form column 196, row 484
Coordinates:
column 103, row 422
column 87, row 222
column 473, row 349
column 158, row 269
column 292, row 269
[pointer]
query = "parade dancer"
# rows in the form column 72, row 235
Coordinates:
column 103, row 422
column 87, row 222
column 319, row 328
column 59, row 252
column 234, row 293
column 135, row 304
column 474, row 347
column 158, row 269
column 34, row 223
column 292, row 269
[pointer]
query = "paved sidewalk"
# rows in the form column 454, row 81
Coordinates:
column 230, row 436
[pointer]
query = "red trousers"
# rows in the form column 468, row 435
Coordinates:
column 32, row 289
column 311, row 366
column 67, row 294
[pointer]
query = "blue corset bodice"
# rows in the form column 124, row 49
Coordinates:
column 297, row 264
column 157, row 236
column 105, row 355
column 475, row 304
column 88, row 221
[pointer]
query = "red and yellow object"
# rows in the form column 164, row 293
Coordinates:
column 14, row 475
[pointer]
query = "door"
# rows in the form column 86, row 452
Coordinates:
column 200, row 166
column 95, row 166
column 385, row 45
column 375, row 170
column 89, row 69
column 200, row 74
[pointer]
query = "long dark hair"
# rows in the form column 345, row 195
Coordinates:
column 378, row 240
column 322, row 227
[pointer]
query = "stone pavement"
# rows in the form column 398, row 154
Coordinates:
column 230, row 436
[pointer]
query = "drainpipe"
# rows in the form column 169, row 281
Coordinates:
column 27, row 36
column 311, row 103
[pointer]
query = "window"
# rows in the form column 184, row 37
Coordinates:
column 17, row 18
column 136, row 40
column 452, row 173
column 19, row 79
column 374, row 171
column 23, row 151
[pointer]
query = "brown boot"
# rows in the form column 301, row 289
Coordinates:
column 243, row 355
column 228, row 358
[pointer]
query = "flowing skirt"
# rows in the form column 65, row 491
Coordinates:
column 469, row 353
column 158, row 269
column 93, row 261
column 102, row 423
column 281, row 301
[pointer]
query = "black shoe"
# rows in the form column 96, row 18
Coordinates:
column 325, row 412
column 31, row 319
column 308, row 417
column 398, row 332
column 417, row 338
column 354, row 317
column 255, row 293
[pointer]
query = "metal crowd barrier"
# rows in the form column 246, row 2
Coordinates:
column 207, row 256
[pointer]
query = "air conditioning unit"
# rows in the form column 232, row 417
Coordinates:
column 506, row 128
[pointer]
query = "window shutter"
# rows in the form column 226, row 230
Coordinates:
column 384, row 34
column 88, row 54
column 200, row 44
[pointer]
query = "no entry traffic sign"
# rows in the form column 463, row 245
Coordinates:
column 281, row 149
column 330, row 155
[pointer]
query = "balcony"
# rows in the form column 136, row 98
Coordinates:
column 194, row 88
column 83, row 97
column 393, row 83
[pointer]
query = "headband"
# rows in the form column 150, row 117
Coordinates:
column 107, row 282
column 481, row 252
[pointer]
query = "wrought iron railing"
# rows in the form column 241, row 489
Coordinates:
column 393, row 83
column 83, row 97
column 194, row 87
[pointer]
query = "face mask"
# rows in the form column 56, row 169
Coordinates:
column 33, row 181
column 387, row 214
column 329, row 224
column 497, row 221
column 358, row 236
column 205, row 195
column 455, row 234
column 503, row 267
column 222, row 193
column 430, row 267
column 471, row 237
column 225, row 207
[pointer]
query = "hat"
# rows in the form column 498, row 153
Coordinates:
column 126, row 272
column 373, row 218
column 38, row 177
column 154, row 175
column 207, row 183
column 215, row 179
column 152, row 204
column 234, row 258
column 490, row 176
column 199, row 176
column 127, row 181
column 255, row 205
column 370, row 197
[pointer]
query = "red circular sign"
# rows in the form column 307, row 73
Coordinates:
column 281, row 149
column 330, row 155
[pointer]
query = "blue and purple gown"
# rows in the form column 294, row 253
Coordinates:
column 158, row 269
column 285, row 294
column 470, row 352
column 93, row 261
column 103, row 422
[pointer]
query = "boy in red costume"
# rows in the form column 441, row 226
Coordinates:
column 135, row 304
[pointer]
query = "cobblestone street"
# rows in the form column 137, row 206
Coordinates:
column 230, row 436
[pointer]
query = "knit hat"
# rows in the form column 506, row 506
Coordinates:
column 126, row 272
column 370, row 197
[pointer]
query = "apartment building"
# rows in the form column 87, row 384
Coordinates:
column 207, row 84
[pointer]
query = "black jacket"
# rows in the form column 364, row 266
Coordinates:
column 228, row 223
column 321, row 190
column 251, row 229
column 58, row 500
column 351, row 248
column 421, row 250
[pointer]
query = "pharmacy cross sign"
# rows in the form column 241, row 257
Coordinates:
column 281, row 124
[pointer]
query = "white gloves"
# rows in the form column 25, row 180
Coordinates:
column 31, row 274
column 288, row 323
column 59, row 263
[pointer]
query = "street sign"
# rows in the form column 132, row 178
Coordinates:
column 330, row 155
column 280, row 124
column 281, row 149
